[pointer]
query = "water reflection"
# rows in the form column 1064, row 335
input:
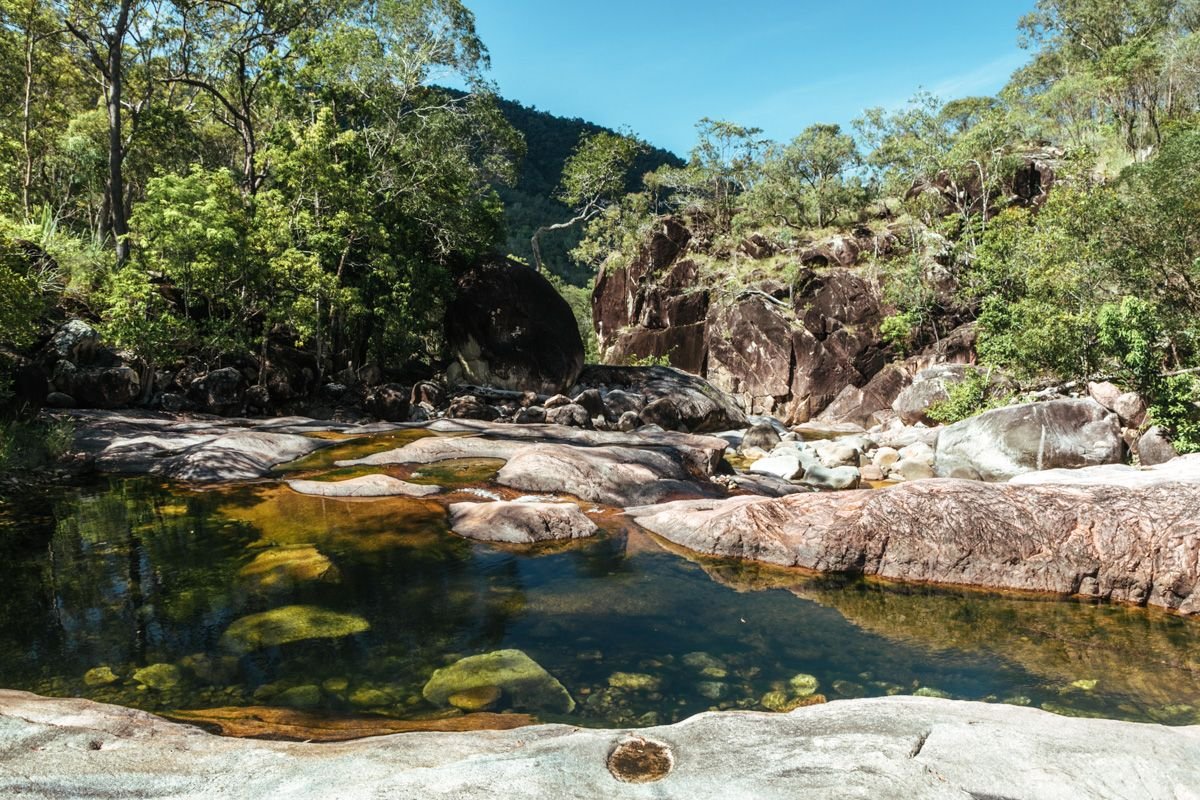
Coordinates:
column 140, row 593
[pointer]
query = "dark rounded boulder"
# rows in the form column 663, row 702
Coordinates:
column 508, row 327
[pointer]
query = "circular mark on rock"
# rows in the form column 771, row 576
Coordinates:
column 637, row 759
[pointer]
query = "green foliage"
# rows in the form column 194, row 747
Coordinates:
column 900, row 330
column 579, row 298
column 30, row 445
column 973, row 395
column 649, row 361
column 808, row 180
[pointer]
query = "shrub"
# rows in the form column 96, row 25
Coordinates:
column 973, row 395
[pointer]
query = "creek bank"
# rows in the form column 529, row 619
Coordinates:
column 1130, row 543
column 921, row 748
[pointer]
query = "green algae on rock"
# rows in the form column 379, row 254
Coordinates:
column 481, row 698
column 523, row 680
column 100, row 676
column 289, row 624
column 160, row 677
column 280, row 568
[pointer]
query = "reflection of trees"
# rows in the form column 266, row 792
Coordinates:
column 1149, row 655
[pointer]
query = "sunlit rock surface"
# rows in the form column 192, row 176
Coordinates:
column 1139, row 545
column 919, row 748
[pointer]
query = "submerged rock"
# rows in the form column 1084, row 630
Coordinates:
column 289, row 624
column 526, row 684
column 100, row 676
column 481, row 698
column 520, row 522
column 160, row 677
column 283, row 567
column 364, row 486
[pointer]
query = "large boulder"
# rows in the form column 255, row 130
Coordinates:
column 1136, row 542
column 520, row 522
column 931, row 386
column 508, row 327
column 696, row 405
column 221, row 391
column 1004, row 442
column 75, row 341
column 97, row 386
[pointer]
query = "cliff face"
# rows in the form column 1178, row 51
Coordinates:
column 790, row 350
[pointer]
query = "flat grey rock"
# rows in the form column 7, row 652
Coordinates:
column 897, row 747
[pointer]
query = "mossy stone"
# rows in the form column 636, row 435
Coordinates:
column 289, row 624
column 100, row 676
column 481, row 698
column 634, row 681
column 307, row 696
column 929, row 691
column 527, row 685
column 160, row 677
column 802, row 684
column 335, row 685
column 366, row 697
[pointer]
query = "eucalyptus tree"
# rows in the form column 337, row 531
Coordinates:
column 809, row 178
column 593, row 178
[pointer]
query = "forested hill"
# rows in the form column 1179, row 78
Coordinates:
column 531, row 202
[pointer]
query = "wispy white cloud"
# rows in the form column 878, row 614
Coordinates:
column 986, row 79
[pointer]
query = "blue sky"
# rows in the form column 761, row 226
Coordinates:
column 658, row 66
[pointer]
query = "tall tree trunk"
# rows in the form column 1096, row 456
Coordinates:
column 116, row 141
column 26, row 109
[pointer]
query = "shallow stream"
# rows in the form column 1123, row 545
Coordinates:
column 165, row 597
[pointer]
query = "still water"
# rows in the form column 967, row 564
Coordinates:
column 258, row 596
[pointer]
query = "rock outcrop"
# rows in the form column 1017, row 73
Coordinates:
column 788, row 350
column 998, row 444
column 507, row 327
column 911, row 747
column 1134, row 544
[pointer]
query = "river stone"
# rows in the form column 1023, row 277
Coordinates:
column 364, row 486
column 160, row 677
column 803, row 684
column 893, row 747
column 1004, row 442
column 306, row 696
column 481, row 698
column 520, row 522
column 289, row 624
column 100, row 676
column 780, row 465
column 1154, row 448
column 522, row 679
column 835, row 479
column 635, row 681
column 283, row 567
